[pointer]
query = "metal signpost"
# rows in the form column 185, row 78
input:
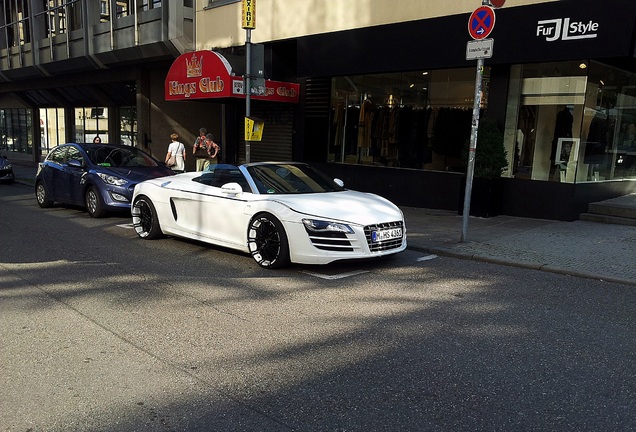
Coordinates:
column 480, row 24
column 248, row 23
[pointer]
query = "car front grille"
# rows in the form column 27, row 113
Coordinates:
column 386, row 244
column 331, row 241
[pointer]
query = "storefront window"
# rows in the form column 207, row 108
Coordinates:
column 16, row 131
column 572, row 122
column 128, row 125
column 419, row 119
column 52, row 128
column 90, row 123
column 608, row 136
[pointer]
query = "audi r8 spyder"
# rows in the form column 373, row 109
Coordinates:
column 279, row 212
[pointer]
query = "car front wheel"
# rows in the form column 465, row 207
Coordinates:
column 94, row 204
column 267, row 242
column 42, row 195
column 145, row 220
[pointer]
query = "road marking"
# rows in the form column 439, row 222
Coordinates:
column 427, row 258
column 127, row 226
column 338, row 276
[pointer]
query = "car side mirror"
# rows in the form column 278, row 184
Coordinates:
column 232, row 188
column 74, row 163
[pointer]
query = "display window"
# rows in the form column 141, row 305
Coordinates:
column 16, row 131
column 419, row 119
column 573, row 122
column 52, row 129
column 91, row 123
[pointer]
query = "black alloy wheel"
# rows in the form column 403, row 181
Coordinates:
column 145, row 220
column 267, row 242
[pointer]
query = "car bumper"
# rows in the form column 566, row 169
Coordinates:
column 118, row 198
column 316, row 249
column 6, row 176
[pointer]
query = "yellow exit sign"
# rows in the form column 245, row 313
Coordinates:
column 249, row 14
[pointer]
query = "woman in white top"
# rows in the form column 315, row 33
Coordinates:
column 176, row 149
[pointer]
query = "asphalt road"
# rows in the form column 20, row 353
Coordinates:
column 102, row 331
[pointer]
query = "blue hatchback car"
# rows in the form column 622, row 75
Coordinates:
column 99, row 177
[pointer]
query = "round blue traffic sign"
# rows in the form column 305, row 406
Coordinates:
column 481, row 22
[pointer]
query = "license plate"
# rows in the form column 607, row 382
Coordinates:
column 387, row 234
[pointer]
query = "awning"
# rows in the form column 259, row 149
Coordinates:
column 208, row 75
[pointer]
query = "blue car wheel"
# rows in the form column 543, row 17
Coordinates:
column 94, row 204
column 42, row 195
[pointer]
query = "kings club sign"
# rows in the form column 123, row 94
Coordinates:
column 208, row 75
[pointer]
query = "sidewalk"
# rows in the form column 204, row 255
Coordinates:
column 580, row 248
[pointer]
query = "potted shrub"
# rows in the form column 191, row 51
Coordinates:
column 490, row 161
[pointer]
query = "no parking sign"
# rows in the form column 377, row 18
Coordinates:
column 481, row 22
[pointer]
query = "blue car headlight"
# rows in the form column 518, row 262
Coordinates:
column 317, row 225
column 112, row 180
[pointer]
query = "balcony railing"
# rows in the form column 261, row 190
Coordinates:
column 77, row 34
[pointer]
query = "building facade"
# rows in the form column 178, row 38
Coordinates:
column 71, row 70
column 387, row 95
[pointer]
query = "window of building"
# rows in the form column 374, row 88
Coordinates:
column 91, row 122
column 16, row 131
column 145, row 5
column 608, row 133
column 419, row 119
column 574, row 122
column 128, row 125
column 15, row 28
column 122, row 8
column 52, row 128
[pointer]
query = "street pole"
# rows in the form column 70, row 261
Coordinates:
column 472, row 149
column 248, row 86
column 248, row 22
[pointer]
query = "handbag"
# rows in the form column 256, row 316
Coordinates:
column 172, row 161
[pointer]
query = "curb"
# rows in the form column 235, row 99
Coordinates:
column 514, row 263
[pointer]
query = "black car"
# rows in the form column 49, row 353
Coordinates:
column 6, row 170
column 99, row 177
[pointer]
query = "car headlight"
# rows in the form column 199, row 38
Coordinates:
column 112, row 180
column 322, row 226
column 8, row 166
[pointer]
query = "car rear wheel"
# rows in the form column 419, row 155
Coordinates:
column 42, row 195
column 267, row 242
column 145, row 220
column 94, row 204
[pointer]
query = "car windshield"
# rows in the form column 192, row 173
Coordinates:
column 291, row 179
column 119, row 157
column 219, row 174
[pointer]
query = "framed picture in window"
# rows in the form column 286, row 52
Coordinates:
column 567, row 150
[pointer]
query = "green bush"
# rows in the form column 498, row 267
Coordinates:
column 490, row 154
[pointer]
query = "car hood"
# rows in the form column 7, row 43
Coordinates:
column 137, row 174
column 347, row 206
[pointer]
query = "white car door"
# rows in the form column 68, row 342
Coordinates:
column 208, row 213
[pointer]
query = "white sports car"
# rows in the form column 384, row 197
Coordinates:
column 277, row 212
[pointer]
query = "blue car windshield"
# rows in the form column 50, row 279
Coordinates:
column 291, row 179
column 119, row 157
